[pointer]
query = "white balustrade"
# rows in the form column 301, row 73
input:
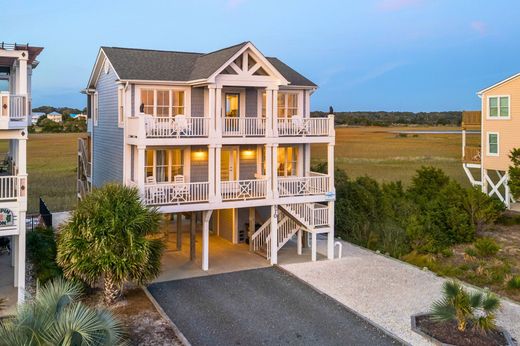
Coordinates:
column 299, row 126
column 243, row 127
column 315, row 184
column 166, row 127
column 176, row 193
column 243, row 189
column 9, row 187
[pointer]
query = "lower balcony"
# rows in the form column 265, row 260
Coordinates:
column 314, row 184
column 176, row 193
column 13, row 111
column 180, row 126
column 12, row 187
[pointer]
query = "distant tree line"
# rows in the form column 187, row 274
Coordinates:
column 395, row 118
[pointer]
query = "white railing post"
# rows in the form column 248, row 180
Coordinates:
column 332, row 131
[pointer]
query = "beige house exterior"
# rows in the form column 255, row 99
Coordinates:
column 498, row 126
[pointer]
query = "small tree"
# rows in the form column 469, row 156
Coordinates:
column 481, row 208
column 108, row 238
column 458, row 305
column 514, row 173
column 56, row 317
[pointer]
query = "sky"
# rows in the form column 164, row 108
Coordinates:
column 365, row 55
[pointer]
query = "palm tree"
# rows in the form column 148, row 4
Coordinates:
column 56, row 317
column 463, row 307
column 108, row 238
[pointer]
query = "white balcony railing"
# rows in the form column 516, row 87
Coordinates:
column 10, row 187
column 315, row 184
column 311, row 214
column 243, row 189
column 299, row 126
column 165, row 127
column 176, row 193
column 243, row 127
column 13, row 107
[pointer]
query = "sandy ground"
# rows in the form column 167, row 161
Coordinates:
column 384, row 290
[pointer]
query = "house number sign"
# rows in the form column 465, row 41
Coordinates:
column 6, row 217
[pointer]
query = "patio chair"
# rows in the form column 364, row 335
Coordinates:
column 182, row 125
column 299, row 124
column 156, row 193
column 180, row 189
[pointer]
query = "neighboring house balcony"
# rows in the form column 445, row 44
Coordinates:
column 471, row 120
column 472, row 155
column 12, row 186
column 14, row 112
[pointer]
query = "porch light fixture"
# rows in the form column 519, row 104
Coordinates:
column 248, row 153
column 199, row 154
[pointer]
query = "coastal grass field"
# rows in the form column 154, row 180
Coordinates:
column 378, row 152
column 385, row 155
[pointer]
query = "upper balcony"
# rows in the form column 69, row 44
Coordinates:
column 146, row 126
column 471, row 120
column 14, row 112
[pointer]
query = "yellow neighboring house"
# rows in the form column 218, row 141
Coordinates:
column 55, row 116
column 498, row 128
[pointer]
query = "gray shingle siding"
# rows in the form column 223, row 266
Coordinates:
column 251, row 102
column 199, row 168
column 107, row 137
column 197, row 102
column 247, row 164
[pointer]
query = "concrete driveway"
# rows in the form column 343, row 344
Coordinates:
column 261, row 307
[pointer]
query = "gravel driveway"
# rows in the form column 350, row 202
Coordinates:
column 261, row 307
column 384, row 290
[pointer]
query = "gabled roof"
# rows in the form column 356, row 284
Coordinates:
column 157, row 65
column 497, row 84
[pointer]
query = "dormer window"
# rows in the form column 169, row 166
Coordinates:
column 498, row 107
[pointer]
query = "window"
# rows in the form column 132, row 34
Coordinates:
column 120, row 105
column 287, row 161
column 287, row 104
column 498, row 107
column 232, row 104
column 164, row 165
column 163, row 102
column 493, row 146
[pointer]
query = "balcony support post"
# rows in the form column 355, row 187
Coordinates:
column 330, row 235
column 275, row 112
column 206, row 217
column 140, row 169
column 274, row 172
column 274, row 234
column 330, row 166
column 218, row 111
column 218, row 163
column 269, row 170
column 463, row 144
column 211, row 110
column 269, row 112
column 211, row 172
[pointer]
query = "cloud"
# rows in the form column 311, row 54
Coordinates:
column 234, row 3
column 396, row 5
column 479, row 26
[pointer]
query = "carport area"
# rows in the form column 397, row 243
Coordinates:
column 7, row 289
column 183, row 256
column 262, row 306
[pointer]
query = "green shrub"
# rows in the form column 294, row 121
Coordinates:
column 486, row 247
column 41, row 251
column 481, row 208
column 447, row 253
column 514, row 173
column 514, row 282
column 471, row 252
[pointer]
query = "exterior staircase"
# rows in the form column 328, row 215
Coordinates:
column 84, row 169
column 311, row 217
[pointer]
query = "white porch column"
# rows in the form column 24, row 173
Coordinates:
column 299, row 242
column 274, row 172
column 206, row 216
column 330, row 165
column 275, row 112
column 252, row 228
column 211, row 109
column 307, row 158
column 140, row 169
column 269, row 112
column 463, row 142
column 21, row 87
column 20, row 258
column 269, row 170
column 218, row 163
column 211, row 171
column 507, row 191
column 218, row 111
column 313, row 246
column 330, row 235
column 274, row 234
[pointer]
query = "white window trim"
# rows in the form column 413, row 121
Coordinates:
column 489, row 117
column 488, row 153
column 185, row 169
column 187, row 97
column 298, row 93
column 121, row 106
column 95, row 106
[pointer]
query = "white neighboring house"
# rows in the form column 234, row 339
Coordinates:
column 55, row 116
column 36, row 116
column 79, row 116
column 16, row 63
column 225, row 135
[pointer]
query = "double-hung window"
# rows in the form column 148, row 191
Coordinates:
column 287, row 104
column 163, row 102
column 287, row 161
column 493, row 144
column 498, row 107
